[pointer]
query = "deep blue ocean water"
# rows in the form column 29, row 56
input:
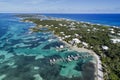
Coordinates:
column 104, row 19
column 8, row 22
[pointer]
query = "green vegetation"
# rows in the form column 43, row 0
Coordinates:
column 95, row 35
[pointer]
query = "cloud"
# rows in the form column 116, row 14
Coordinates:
column 33, row 2
column 59, row 6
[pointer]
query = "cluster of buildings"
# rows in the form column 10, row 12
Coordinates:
column 115, row 41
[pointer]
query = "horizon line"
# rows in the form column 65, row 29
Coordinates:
column 50, row 13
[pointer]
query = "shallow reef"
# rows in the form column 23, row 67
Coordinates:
column 27, row 56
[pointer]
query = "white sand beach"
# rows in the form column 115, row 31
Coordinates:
column 99, row 73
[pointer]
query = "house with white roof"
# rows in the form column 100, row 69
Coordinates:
column 115, row 40
column 85, row 44
column 105, row 47
column 76, row 40
column 112, row 32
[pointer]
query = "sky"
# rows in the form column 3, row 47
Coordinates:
column 59, row 6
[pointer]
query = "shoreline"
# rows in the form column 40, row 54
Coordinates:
column 90, row 30
column 87, row 22
column 98, row 62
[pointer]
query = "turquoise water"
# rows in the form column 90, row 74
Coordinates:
column 34, row 56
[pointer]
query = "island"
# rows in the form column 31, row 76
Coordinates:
column 100, row 41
